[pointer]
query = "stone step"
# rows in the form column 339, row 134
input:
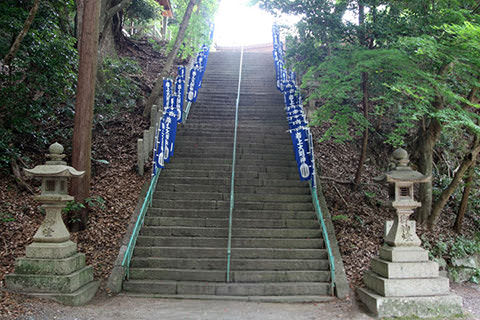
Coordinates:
column 236, row 264
column 225, row 119
column 227, row 289
column 251, row 197
column 237, row 253
column 223, row 204
column 223, row 232
column 237, row 222
column 246, row 214
column 180, row 188
column 206, row 132
column 228, row 161
column 247, row 127
column 286, row 154
column 288, row 243
column 226, row 180
column 236, row 276
column 202, row 150
column 193, row 139
column 206, row 144
column 177, row 274
column 406, row 287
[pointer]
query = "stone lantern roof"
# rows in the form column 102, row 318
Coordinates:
column 55, row 167
column 403, row 172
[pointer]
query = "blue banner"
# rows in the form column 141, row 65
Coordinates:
column 192, row 85
column 300, row 139
column 292, row 76
column 297, row 122
column 158, row 159
column 291, row 98
column 170, row 130
column 201, row 64
column 180, row 92
column 167, row 92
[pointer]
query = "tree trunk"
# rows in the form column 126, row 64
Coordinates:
column 26, row 26
column 363, row 154
column 464, row 204
column 111, row 26
column 82, row 131
column 361, row 20
column 78, row 22
column 157, row 88
column 427, row 139
column 469, row 160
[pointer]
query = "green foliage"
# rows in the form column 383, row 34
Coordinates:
column 198, row 29
column 95, row 202
column 6, row 217
column 145, row 15
column 71, row 211
column 340, row 217
column 144, row 10
column 457, row 248
column 337, row 83
column 117, row 91
column 37, row 90
column 73, row 208
column 463, row 247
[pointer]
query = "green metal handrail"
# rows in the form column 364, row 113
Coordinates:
column 232, row 181
column 318, row 210
column 147, row 202
column 187, row 111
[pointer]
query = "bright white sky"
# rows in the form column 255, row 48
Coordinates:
column 236, row 23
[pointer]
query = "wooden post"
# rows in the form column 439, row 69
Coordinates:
column 164, row 27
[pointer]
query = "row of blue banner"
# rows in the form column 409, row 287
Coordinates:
column 173, row 102
column 297, row 122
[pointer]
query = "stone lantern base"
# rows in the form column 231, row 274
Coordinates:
column 53, row 271
column 403, row 282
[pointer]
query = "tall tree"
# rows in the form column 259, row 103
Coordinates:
column 157, row 88
column 82, row 132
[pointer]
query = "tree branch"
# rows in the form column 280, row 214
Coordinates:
column 26, row 26
column 116, row 8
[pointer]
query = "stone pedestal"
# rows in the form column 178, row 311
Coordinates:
column 402, row 282
column 52, row 267
column 54, row 271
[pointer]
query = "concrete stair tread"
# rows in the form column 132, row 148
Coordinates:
column 235, row 251
column 273, row 299
column 220, row 222
column 235, row 289
column 314, row 243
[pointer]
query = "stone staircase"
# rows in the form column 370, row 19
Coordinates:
column 277, row 247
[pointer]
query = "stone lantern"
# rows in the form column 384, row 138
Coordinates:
column 402, row 281
column 401, row 232
column 52, row 267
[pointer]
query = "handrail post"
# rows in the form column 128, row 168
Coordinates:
column 232, row 181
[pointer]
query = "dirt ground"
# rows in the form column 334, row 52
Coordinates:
column 124, row 307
